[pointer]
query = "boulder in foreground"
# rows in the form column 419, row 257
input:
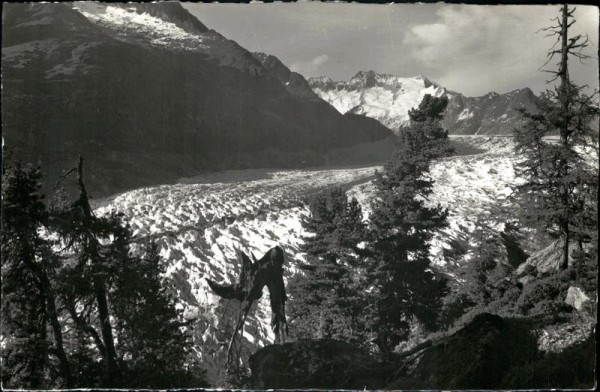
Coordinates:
column 323, row 363
column 490, row 352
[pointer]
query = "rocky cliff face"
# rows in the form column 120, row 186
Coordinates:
column 148, row 94
column 294, row 83
column 491, row 114
column 388, row 98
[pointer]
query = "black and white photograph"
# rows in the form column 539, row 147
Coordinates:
column 299, row 195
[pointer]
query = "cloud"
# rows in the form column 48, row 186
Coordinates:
column 467, row 48
column 311, row 67
column 471, row 48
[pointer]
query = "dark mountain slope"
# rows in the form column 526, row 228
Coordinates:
column 491, row 114
column 148, row 109
column 293, row 82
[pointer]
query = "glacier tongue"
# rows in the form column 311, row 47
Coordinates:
column 199, row 222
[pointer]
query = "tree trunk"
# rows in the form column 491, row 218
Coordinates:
column 51, row 316
column 564, row 264
column 113, row 373
column 65, row 368
column 321, row 328
column 564, row 60
column 38, row 362
column 564, row 131
column 81, row 324
column 37, row 319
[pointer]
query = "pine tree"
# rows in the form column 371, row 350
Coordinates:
column 93, row 294
column 84, row 234
column 558, row 193
column 28, row 297
column 485, row 270
column 401, row 227
column 154, row 338
column 115, row 297
column 327, row 300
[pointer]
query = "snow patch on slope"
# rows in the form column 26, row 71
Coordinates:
column 157, row 31
column 466, row 114
column 133, row 25
column 18, row 56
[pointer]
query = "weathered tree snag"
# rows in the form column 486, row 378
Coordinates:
column 268, row 271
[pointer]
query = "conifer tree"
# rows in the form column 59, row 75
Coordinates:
column 153, row 337
column 559, row 188
column 144, row 340
column 28, row 298
column 84, row 234
column 327, row 300
column 401, row 227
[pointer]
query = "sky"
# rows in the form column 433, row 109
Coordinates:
column 466, row 48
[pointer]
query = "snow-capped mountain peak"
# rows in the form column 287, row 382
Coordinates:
column 159, row 28
column 384, row 97
column 167, row 25
column 388, row 98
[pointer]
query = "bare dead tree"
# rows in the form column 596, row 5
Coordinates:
column 254, row 276
column 557, row 176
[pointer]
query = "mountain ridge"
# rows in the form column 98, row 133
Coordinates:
column 150, row 97
column 387, row 98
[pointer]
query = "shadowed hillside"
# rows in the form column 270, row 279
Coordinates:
column 152, row 97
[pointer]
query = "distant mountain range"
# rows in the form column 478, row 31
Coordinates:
column 148, row 94
column 388, row 98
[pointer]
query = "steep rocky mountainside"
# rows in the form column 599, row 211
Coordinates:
column 148, row 94
column 294, row 83
column 491, row 114
column 388, row 98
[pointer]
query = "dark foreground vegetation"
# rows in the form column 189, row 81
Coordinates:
column 370, row 283
column 81, row 305
column 488, row 353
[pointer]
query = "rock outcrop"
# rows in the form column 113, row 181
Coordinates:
column 547, row 259
column 323, row 364
column 576, row 297
column 477, row 356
